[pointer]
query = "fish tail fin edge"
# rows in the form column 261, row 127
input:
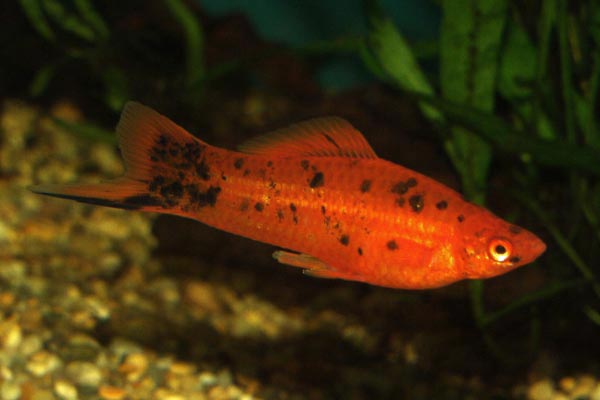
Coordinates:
column 139, row 130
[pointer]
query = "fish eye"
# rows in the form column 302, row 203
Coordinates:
column 500, row 249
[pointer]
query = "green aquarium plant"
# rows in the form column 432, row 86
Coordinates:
column 81, row 36
column 519, row 84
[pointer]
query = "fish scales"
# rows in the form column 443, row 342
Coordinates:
column 317, row 190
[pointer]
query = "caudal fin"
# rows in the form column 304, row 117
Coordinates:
column 153, row 148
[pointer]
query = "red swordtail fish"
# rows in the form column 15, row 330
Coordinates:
column 318, row 190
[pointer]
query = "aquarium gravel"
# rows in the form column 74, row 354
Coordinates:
column 88, row 312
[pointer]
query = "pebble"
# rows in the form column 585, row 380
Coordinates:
column 111, row 392
column 30, row 344
column 13, row 271
column 65, row 390
column 10, row 390
column 134, row 366
column 84, row 373
column 10, row 334
column 541, row 390
column 42, row 363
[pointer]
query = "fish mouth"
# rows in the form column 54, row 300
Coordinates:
column 535, row 249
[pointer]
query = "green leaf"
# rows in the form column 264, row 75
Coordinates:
column 116, row 88
column 505, row 138
column 194, row 41
column 86, row 130
column 470, row 43
column 68, row 21
column 35, row 14
column 517, row 79
column 90, row 15
column 41, row 79
column 395, row 58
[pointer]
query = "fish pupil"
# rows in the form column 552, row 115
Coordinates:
column 500, row 249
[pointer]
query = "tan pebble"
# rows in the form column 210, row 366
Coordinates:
column 109, row 262
column 98, row 308
column 6, row 233
column 207, row 379
column 218, row 393
column 83, row 319
column 10, row 390
column 30, row 345
column 182, row 368
column 584, row 386
column 10, row 334
column 65, row 390
column 41, row 394
column 541, row 390
column 111, row 393
column 7, row 299
column 13, row 271
column 164, row 394
column 595, row 394
column 134, row 366
column 84, row 373
column 5, row 373
column 66, row 111
column 567, row 384
column 42, row 363
column 202, row 297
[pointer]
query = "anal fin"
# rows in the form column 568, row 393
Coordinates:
column 312, row 266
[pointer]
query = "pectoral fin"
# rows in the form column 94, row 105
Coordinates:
column 313, row 266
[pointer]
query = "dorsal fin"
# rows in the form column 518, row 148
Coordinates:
column 322, row 137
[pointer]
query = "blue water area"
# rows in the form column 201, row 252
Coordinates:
column 300, row 22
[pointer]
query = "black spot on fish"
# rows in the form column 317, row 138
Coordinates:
column 416, row 202
column 172, row 193
column 460, row 218
column 293, row 207
column 400, row 201
column 403, row 187
column 323, row 210
column 156, row 182
column 365, row 186
column 269, row 163
column 441, row 205
column 360, row 252
column 259, row 206
column 399, row 188
column 244, row 205
column 162, row 140
column 223, row 176
column 280, row 214
column 246, row 172
column 515, row 230
column 304, row 164
column 514, row 259
column 238, row 163
column 173, row 190
column 203, row 199
column 392, row 245
column 345, row 240
column 317, row 181
column 203, row 171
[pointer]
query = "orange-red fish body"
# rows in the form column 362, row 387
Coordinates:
column 319, row 190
